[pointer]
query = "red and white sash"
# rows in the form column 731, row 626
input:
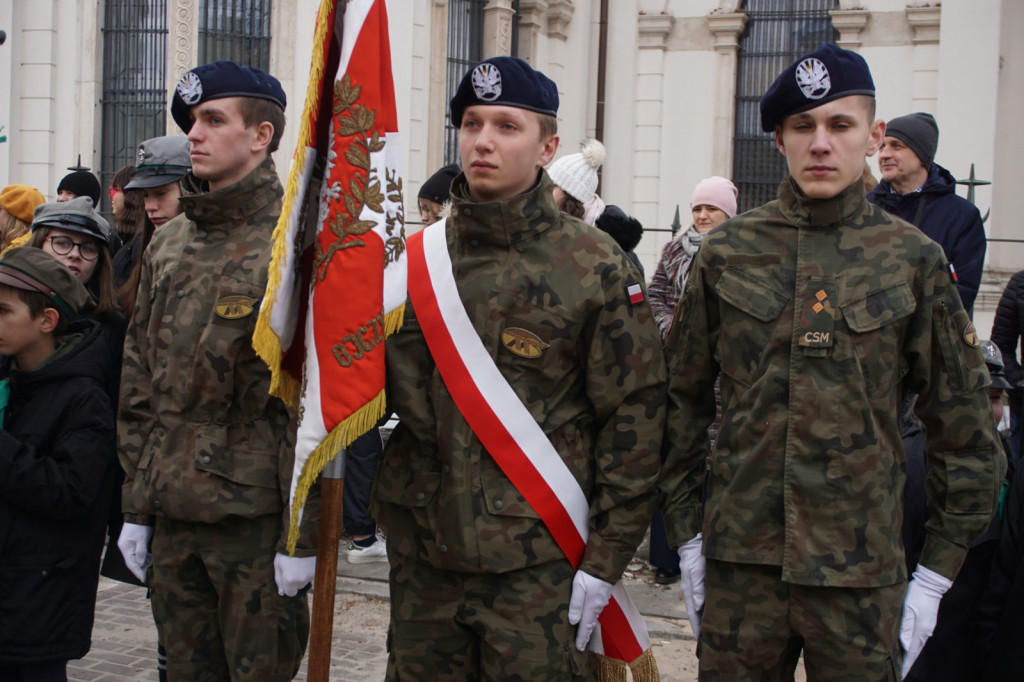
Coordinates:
column 508, row 431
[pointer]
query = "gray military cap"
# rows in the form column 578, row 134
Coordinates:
column 76, row 215
column 161, row 161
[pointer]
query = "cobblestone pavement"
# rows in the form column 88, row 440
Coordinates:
column 124, row 637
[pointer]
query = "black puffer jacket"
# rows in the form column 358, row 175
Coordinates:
column 57, row 461
column 1007, row 332
column 946, row 218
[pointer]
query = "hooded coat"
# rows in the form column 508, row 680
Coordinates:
column 57, row 461
column 947, row 218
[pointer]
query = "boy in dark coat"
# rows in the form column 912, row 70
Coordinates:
column 57, row 462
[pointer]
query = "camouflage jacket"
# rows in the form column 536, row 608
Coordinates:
column 596, row 387
column 199, row 436
column 819, row 315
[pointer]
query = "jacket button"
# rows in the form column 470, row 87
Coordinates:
column 420, row 496
column 498, row 504
column 446, row 469
column 181, row 293
column 467, row 211
column 443, row 549
column 45, row 573
column 163, row 362
column 157, row 504
column 203, row 234
column 206, row 459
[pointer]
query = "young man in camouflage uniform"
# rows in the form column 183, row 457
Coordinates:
column 479, row 588
column 207, row 452
column 819, row 311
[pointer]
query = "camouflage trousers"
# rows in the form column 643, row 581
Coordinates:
column 447, row 625
column 216, row 603
column 754, row 627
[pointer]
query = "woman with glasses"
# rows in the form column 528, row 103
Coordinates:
column 78, row 236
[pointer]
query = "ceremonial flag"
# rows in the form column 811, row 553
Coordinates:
column 337, row 282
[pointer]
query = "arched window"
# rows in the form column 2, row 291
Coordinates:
column 134, row 98
column 777, row 32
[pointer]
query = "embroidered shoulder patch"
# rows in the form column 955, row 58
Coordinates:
column 635, row 293
column 235, row 307
column 522, row 342
column 971, row 335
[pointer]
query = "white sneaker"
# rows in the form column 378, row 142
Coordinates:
column 378, row 551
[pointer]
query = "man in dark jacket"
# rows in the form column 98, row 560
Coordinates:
column 917, row 189
column 56, row 466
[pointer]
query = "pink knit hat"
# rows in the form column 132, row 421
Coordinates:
column 715, row 191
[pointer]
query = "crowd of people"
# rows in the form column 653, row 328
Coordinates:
column 797, row 406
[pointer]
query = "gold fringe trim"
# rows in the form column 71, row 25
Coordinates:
column 265, row 341
column 644, row 668
column 393, row 320
column 341, row 436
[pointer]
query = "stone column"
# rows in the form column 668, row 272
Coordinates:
column 182, row 45
column 653, row 32
column 533, row 16
column 849, row 23
column 726, row 29
column 437, row 96
column 498, row 15
column 31, row 134
column 924, row 21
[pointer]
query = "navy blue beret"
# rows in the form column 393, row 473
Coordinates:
column 222, row 79
column 828, row 73
column 507, row 81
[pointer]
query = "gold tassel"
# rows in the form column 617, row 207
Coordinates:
column 341, row 436
column 264, row 340
column 610, row 669
column 645, row 668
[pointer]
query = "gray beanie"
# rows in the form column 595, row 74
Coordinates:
column 920, row 132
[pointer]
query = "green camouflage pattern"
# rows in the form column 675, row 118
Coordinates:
column 818, row 316
column 756, row 626
column 199, row 436
column 216, row 603
column 511, row 626
column 596, row 388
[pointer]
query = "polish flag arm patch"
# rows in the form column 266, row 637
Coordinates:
column 635, row 293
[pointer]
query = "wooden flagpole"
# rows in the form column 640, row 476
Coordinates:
column 332, row 489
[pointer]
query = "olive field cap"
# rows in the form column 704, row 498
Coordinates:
column 828, row 73
column 161, row 161
column 217, row 80
column 505, row 81
column 76, row 215
column 31, row 269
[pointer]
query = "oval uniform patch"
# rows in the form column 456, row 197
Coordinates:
column 235, row 307
column 522, row 342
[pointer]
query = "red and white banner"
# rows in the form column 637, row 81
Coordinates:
column 337, row 277
column 508, row 431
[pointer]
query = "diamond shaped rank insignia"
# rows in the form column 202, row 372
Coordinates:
column 821, row 296
column 522, row 342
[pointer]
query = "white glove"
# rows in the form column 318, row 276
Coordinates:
column 292, row 573
column 920, row 611
column 589, row 597
column 692, row 567
column 134, row 545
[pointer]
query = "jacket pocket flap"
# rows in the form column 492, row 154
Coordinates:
column 751, row 295
column 879, row 308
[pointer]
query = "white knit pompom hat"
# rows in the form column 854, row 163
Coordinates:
column 576, row 174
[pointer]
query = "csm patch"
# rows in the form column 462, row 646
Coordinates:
column 971, row 335
column 635, row 293
column 235, row 307
column 522, row 342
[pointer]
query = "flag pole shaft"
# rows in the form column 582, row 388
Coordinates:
column 332, row 489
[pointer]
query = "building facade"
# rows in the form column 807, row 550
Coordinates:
column 670, row 86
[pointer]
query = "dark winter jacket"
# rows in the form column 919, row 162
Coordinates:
column 948, row 219
column 57, row 461
column 1008, row 332
column 999, row 617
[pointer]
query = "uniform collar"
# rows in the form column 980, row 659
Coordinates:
column 505, row 222
column 223, row 208
column 803, row 211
